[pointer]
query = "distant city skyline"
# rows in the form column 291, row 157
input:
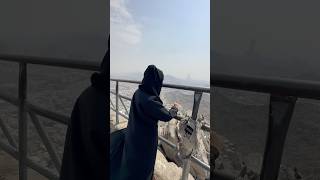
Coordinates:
column 168, row 78
column 171, row 34
column 187, row 77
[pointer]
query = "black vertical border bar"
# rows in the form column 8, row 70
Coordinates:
column 22, row 122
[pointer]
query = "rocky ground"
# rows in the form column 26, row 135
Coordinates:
column 202, row 150
column 165, row 170
column 9, row 169
column 168, row 131
column 52, row 88
column 246, row 167
column 241, row 120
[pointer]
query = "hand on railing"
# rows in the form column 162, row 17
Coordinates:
column 174, row 110
column 179, row 118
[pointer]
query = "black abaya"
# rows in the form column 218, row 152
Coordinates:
column 85, row 153
column 133, row 150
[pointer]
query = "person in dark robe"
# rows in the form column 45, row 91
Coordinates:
column 133, row 149
column 85, row 153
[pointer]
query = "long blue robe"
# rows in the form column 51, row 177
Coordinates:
column 133, row 150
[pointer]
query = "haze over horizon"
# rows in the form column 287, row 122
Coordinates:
column 269, row 38
column 172, row 35
column 55, row 28
column 168, row 78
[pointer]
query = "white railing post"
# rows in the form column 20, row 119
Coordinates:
column 23, row 171
column 117, row 102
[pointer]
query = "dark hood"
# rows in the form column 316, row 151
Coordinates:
column 104, row 67
column 152, row 81
column 99, row 79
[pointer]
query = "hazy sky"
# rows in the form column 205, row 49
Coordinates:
column 280, row 28
column 172, row 34
column 75, row 29
column 286, row 36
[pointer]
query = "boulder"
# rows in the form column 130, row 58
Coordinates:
column 164, row 170
column 169, row 131
column 247, row 167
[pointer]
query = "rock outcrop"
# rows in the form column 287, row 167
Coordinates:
column 163, row 167
column 246, row 167
column 202, row 151
column 164, row 170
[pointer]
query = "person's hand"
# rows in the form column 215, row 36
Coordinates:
column 174, row 110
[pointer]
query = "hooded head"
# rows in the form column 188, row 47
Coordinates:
column 99, row 80
column 152, row 81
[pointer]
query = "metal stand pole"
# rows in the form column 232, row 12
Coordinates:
column 196, row 103
column 280, row 113
column 22, row 121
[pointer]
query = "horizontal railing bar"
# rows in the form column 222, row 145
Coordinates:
column 10, row 99
column 56, row 116
column 36, row 109
column 120, row 113
column 122, row 96
column 81, row 64
column 48, row 114
column 167, row 142
column 201, row 163
column 204, row 127
column 67, row 63
column 193, row 158
column 280, row 86
column 174, row 86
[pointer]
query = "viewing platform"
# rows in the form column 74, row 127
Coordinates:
column 118, row 119
column 29, row 110
column 283, row 95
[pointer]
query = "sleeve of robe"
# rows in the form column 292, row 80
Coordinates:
column 156, row 110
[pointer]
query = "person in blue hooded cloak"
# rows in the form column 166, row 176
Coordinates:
column 133, row 149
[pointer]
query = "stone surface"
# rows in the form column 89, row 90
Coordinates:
column 169, row 131
column 246, row 167
column 165, row 170
column 9, row 169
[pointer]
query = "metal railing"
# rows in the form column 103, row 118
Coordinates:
column 283, row 95
column 198, row 91
column 26, row 108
